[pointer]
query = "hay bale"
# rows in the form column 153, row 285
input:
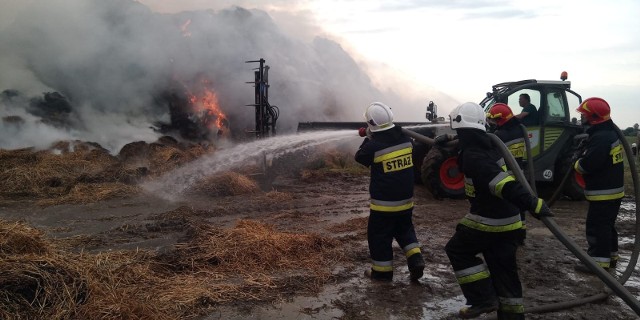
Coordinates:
column 251, row 262
column 10, row 159
column 134, row 151
column 252, row 246
column 36, row 282
column 93, row 192
column 168, row 141
column 225, row 184
column 18, row 238
column 36, row 182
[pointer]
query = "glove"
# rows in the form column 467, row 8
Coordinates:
column 362, row 132
column 365, row 132
column 539, row 209
column 442, row 139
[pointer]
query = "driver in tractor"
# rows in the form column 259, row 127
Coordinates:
column 491, row 227
column 507, row 128
column 389, row 154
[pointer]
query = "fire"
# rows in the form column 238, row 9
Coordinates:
column 208, row 108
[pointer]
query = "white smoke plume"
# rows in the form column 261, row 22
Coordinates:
column 107, row 65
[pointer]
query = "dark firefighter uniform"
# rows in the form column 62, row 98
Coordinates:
column 491, row 228
column 601, row 165
column 389, row 155
column 511, row 134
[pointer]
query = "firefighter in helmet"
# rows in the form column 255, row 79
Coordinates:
column 601, row 165
column 388, row 152
column 491, row 227
column 508, row 129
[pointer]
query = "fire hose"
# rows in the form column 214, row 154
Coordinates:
column 615, row 285
column 527, row 145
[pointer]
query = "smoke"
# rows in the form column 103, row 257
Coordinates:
column 109, row 63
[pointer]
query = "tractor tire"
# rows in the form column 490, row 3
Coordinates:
column 441, row 175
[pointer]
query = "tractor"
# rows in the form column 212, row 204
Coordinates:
column 553, row 140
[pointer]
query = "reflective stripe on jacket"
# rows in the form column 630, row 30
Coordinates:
column 390, row 156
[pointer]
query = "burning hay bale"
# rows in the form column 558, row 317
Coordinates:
column 251, row 262
column 226, row 184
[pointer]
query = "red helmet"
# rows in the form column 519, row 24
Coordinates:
column 500, row 113
column 595, row 110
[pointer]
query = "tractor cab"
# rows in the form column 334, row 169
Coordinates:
column 551, row 135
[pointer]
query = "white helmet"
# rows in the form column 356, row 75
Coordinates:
column 468, row 115
column 379, row 117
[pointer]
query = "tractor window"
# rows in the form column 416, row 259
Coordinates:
column 535, row 96
column 556, row 110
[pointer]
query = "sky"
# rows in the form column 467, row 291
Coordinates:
column 462, row 47
column 116, row 62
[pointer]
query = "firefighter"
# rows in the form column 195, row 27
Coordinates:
column 388, row 152
column 601, row 165
column 491, row 226
column 507, row 128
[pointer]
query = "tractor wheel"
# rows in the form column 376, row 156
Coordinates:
column 441, row 175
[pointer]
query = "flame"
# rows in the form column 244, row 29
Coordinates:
column 207, row 105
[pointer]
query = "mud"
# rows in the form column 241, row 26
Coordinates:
column 322, row 206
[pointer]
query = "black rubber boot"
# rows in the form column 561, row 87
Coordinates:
column 378, row 276
column 475, row 311
column 416, row 266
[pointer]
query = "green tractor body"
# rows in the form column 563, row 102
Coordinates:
column 551, row 140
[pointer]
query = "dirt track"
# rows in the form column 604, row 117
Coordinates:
column 335, row 205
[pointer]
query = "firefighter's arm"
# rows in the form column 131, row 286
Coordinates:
column 507, row 187
column 364, row 155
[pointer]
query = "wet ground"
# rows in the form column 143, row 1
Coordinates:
column 319, row 205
